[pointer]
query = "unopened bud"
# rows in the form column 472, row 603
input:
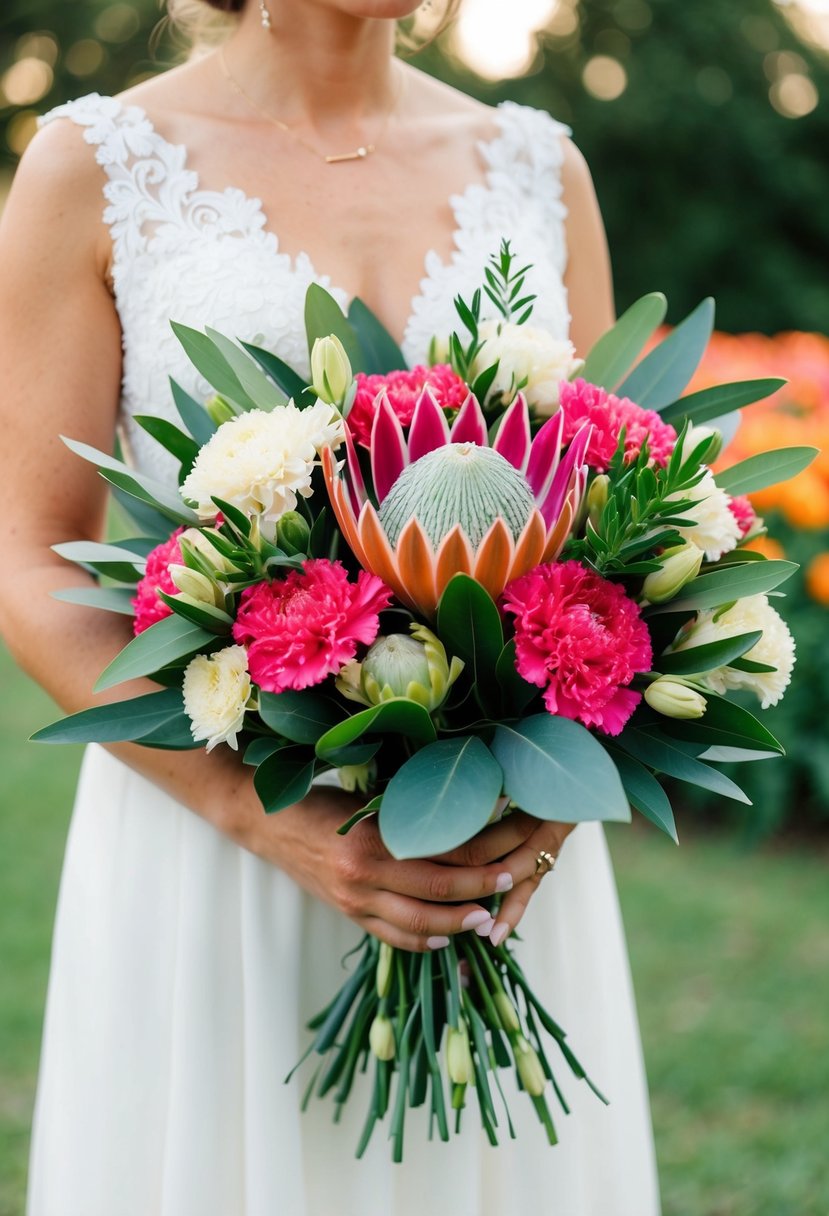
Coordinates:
column 331, row 373
column 679, row 566
column 459, row 1057
column 674, row 699
column 293, row 533
column 199, row 540
column 219, row 409
column 597, row 499
column 385, row 962
column 381, row 1038
column 529, row 1067
column 197, row 587
column 695, row 435
column 360, row 777
column 506, row 1012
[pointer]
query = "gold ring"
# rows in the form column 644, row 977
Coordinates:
column 544, row 862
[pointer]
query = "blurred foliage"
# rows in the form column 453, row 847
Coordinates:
column 705, row 186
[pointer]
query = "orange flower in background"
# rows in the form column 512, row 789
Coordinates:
column 817, row 579
column 768, row 546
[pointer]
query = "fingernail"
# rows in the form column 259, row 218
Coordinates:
column 503, row 883
column 437, row 943
column 485, row 929
column 499, row 933
column 474, row 919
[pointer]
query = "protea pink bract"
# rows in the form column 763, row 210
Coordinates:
column 419, row 562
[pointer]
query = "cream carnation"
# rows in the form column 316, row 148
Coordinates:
column 529, row 359
column 715, row 530
column 261, row 461
column 217, row 689
column 774, row 649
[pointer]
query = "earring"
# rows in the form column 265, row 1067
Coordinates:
column 265, row 15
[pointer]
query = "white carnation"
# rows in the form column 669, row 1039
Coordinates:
column 261, row 461
column 715, row 531
column 528, row 358
column 774, row 649
column 217, row 690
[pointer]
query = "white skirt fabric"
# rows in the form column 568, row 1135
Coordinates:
column 183, row 972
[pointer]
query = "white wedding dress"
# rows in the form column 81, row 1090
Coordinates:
column 184, row 968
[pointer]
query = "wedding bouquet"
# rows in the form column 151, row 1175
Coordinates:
column 508, row 579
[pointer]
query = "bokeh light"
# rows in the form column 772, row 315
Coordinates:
column 498, row 39
column 604, row 77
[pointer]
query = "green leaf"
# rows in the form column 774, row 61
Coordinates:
column 259, row 387
column 258, row 750
column 113, row 560
column 729, row 584
column 208, row 359
column 399, row 716
column 645, row 793
column 152, row 524
column 118, row 722
column 555, row 769
column 284, row 376
column 765, row 469
column 110, row 599
column 704, row 658
column 165, row 642
column 301, row 717
column 177, row 443
column 440, row 798
column 355, row 753
column 193, row 414
column 156, row 493
column 382, row 354
column 677, row 759
column 721, row 399
column 208, row 616
column 284, row 778
column 615, row 352
column 469, row 625
column 371, row 808
column 174, row 736
column 726, row 717
column 323, row 317
column 516, row 691
column 662, row 375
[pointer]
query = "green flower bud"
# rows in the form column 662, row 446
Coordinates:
column 506, row 1012
column 358, row 776
column 381, row 1038
column 385, row 962
column 293, row 533
column 459, row 1057
column 198, row 541
column 597, row 498
column 413, row 666
column 529, row 1067
column 219, row 409
column 679, row 566
column 196, row 587
column 331, row 373
column 675, row 699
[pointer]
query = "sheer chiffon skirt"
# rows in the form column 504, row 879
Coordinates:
column 183, row 972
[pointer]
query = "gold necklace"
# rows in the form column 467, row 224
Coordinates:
column 330, row 158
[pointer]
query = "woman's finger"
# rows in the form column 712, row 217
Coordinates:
column 441, row 883
column 396, row 937
column 428, row 920
column 493, row 842
column 524, row 866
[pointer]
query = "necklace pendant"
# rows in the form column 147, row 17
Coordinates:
column 358, row 154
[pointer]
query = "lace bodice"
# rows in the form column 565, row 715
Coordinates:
column 209, row 257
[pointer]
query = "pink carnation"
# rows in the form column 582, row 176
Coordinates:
column 744, row 513
column 581, row 639
column 149, row 608
column 403, row 389
column 583, row 402
column 300, row 629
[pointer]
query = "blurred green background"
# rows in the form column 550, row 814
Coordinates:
column 706, row 129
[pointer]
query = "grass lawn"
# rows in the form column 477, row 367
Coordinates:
column 730, row 957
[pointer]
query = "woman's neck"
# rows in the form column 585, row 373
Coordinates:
column 316, row 66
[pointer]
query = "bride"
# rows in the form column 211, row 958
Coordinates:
column 195, row 935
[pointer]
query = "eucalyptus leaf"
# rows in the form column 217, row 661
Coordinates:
column 704, row 658
column 555, row 769
column 301, row 717
column 765, row 469
column 616, row 351
column 110, row 599
column 663, row 374
column 516, row 691
column 156, row 493
column 645, row 793
column 180, row 445
column 724, row 586
column 382, row 354
column 115, row 561
column 282, row 375
column 398, row 715
column 711, row 403
column 210, row 360
column 118, row 722
column 167, row 641
column 284, row 778
column 323, row 317
column 677, row 758
column 440, row 798
column 193, row 414
column 469, row 625
column 259, row 387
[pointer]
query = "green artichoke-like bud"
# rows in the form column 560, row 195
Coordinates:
column 219, row 409
column 381, row 1038
column 293, row 533
column 331, row 373
column 459, row 1057
column 675, row 699
column 400, row 665
column 459, row 483
column 529, row 1067
column 679, row 566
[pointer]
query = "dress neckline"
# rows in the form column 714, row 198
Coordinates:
column 260, row 225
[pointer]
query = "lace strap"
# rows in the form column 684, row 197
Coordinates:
column 531, row 151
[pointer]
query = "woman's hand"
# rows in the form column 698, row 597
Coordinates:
column 415, row 905
column 513, row 845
